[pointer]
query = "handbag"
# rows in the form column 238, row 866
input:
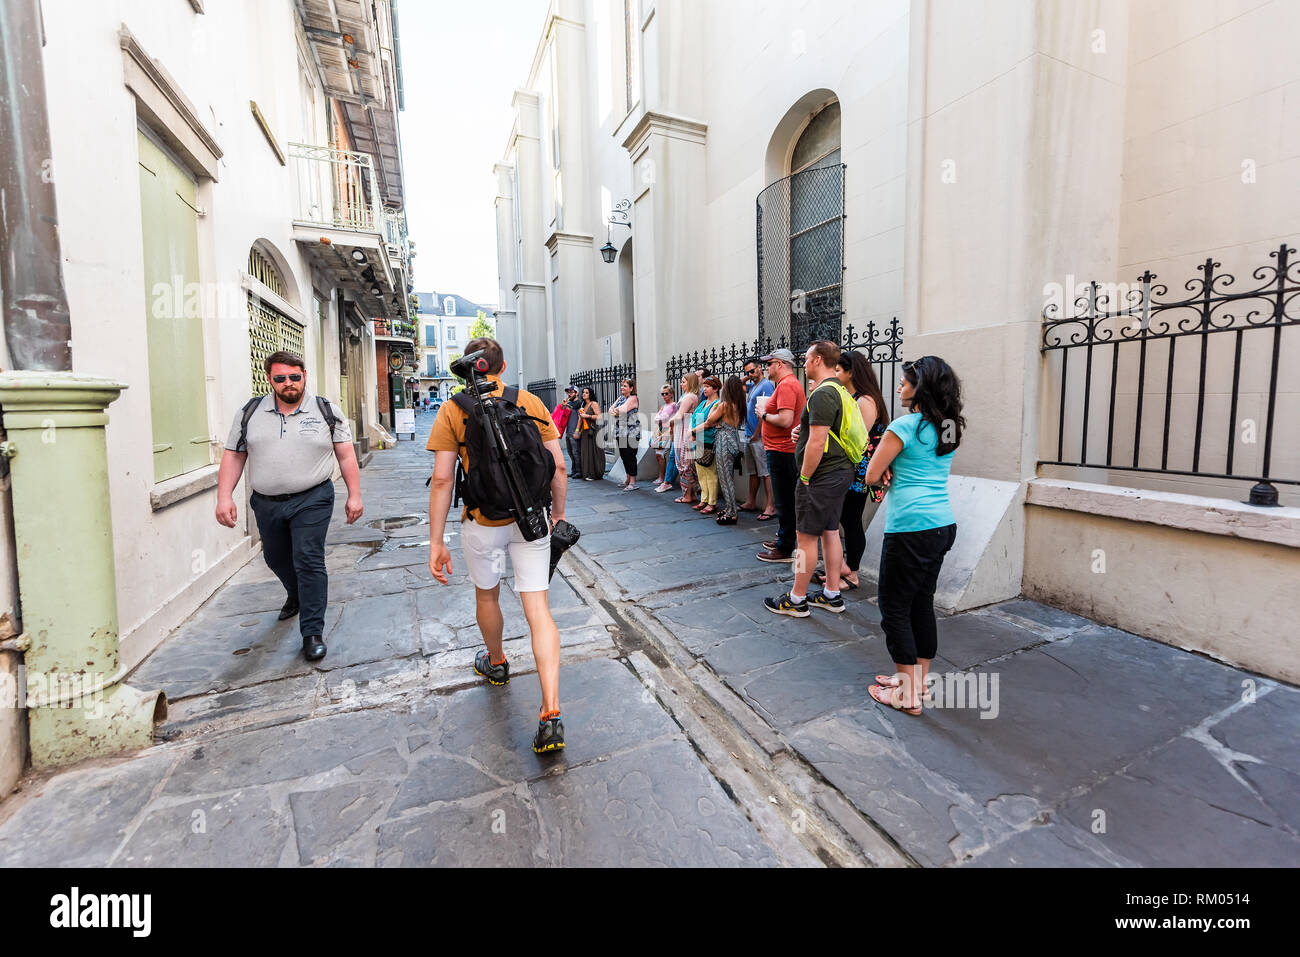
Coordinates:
column 706, row 457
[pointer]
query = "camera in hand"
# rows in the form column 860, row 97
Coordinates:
column 563, row 537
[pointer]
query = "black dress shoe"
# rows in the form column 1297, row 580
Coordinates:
column 313, row 647
column 289, row 610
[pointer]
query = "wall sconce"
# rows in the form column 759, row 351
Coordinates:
column 620, row 215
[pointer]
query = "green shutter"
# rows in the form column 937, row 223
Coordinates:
column 174, row 314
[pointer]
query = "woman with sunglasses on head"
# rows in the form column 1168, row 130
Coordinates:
column 919, row 525
column 684, row 451
column 662, row 439
column 591, row 455
column 859, row 379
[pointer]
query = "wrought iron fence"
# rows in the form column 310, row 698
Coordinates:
column 544, row 389
column 800, row 227
column 882, row 345
column 1209, row 397
column 603, row 383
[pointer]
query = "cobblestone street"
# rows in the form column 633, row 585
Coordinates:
column 702, row 729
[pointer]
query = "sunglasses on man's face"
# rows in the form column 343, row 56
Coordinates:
column 279, row 379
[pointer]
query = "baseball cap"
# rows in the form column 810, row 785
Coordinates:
column 785, row 355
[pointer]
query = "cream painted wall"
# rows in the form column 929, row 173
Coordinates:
column 1208, row 171
column 169, row 561
column 1210, row 593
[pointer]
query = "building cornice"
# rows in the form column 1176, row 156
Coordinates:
column 558, row 238
column 171, row 113
column 664, row 124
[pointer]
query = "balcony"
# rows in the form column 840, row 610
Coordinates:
column 341, row 224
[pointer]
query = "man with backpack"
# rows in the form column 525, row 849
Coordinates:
column 831, row 442
column 488, row 532
column 291, row 440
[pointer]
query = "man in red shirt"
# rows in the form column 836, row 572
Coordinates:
column 778, row 417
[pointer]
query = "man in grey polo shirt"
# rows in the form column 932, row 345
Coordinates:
column 290, row 446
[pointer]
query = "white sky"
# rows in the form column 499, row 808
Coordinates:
column 461, row 63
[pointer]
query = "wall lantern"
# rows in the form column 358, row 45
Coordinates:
column 620, row 215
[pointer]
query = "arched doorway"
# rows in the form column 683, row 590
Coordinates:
column 801, row 226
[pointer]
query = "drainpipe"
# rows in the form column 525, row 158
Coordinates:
column 58, row 463
column 397, row 57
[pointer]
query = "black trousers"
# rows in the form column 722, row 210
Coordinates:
column 293, row 544
column 909, row 571
column 575, row 451
column 855, row 536
column 785, row 475
column 628, row 456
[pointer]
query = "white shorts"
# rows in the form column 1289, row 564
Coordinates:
column 485, row 548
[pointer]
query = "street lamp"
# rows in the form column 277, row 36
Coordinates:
column 620, row 215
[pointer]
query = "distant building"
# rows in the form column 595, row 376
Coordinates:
column 443, row 324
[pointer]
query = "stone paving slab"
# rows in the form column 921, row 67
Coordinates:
column 655, row 806
column 78, row 818
column 217, row 654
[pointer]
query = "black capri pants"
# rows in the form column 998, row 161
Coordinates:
column 909, row 571
column 628, row 457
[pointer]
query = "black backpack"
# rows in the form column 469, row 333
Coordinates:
column 251, row 406
column 484, row 487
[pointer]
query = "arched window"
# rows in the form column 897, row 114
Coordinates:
column 269, row 329
column 801, row 237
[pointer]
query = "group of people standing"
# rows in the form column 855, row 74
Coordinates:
column 794, row 443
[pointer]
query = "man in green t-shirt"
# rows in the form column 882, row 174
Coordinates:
column 825, row 474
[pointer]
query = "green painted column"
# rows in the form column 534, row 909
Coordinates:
column 63, row 530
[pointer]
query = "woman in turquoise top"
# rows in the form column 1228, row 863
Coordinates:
column 919, row 525
column 706, row 474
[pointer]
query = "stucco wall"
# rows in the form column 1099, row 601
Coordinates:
column 1228, row 597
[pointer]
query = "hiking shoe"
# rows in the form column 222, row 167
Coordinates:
column 820, row 600
column 550, row 735
column 784, row 606
column 772, row 555
column 495, row 674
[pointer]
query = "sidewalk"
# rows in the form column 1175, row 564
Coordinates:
column 388, row 751
column 1076, row 744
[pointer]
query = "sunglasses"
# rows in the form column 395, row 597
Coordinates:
column 279, row 379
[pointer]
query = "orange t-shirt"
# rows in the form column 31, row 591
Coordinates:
column 449, row 433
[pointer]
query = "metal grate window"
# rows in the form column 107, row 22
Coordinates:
column 264, row 271
column 801, row 256
column 269, row 331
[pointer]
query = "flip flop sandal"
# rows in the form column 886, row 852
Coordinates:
column 766, row 516
column 682, row 501
column 888, row 698
column 888, row 681
column 743, row 509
